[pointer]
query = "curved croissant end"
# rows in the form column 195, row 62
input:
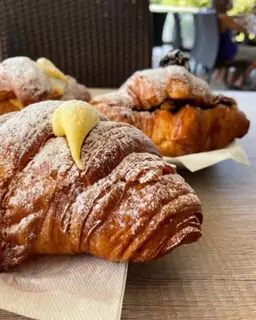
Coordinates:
column 127, row 204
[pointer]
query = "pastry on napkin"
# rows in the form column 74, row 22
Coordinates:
column 176, row 109
column 73, row 182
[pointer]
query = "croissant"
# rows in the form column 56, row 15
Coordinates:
column 176, row 110
column 24, row 81
column 126, row 204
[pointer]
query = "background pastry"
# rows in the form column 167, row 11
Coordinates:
column 176, row 110
column 24, row 81
column 126, row 204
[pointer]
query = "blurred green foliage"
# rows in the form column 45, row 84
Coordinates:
column 239, row 5
column 243, row 6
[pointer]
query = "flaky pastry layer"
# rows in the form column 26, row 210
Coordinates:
column 128, row 204
column 200, row 121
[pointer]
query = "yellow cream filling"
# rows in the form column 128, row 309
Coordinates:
column 58, row 79
column 58, row 86
column 74, row 119
column 17, row 103
column 50, row 69
column 167, row 105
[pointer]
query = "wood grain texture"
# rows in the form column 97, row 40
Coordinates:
column 216, row 277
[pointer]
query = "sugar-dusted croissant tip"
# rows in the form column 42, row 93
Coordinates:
column 127, row 204
column 24, row 81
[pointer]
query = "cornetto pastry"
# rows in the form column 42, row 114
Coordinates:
column 175, row 109
column 79, row 183
column 24, row 81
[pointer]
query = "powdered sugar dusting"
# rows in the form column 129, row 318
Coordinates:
column 6, row 117
column 106, row 210
column 23, row 224
column 111, row 142
column 199, row 89
column 153, row 86
column 74, row 90
column 134, row 205
column 149, row 88
column 22, row 78
column 114, row 99
column 22, row 135
column 25, row 78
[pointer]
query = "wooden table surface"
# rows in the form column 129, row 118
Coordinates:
column 216, row 277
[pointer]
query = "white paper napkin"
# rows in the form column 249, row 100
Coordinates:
column 198, row 161
column 73, row 287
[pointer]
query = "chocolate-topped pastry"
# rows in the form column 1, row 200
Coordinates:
column 176, row 109
column 175, row 58
column 24, row 81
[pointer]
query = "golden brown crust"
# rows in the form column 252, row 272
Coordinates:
column 6, row 106
column 151, row 87
column 204, row 122
column 197, row 130
column 187, row 131
column 22, row 79
column 127, row 205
